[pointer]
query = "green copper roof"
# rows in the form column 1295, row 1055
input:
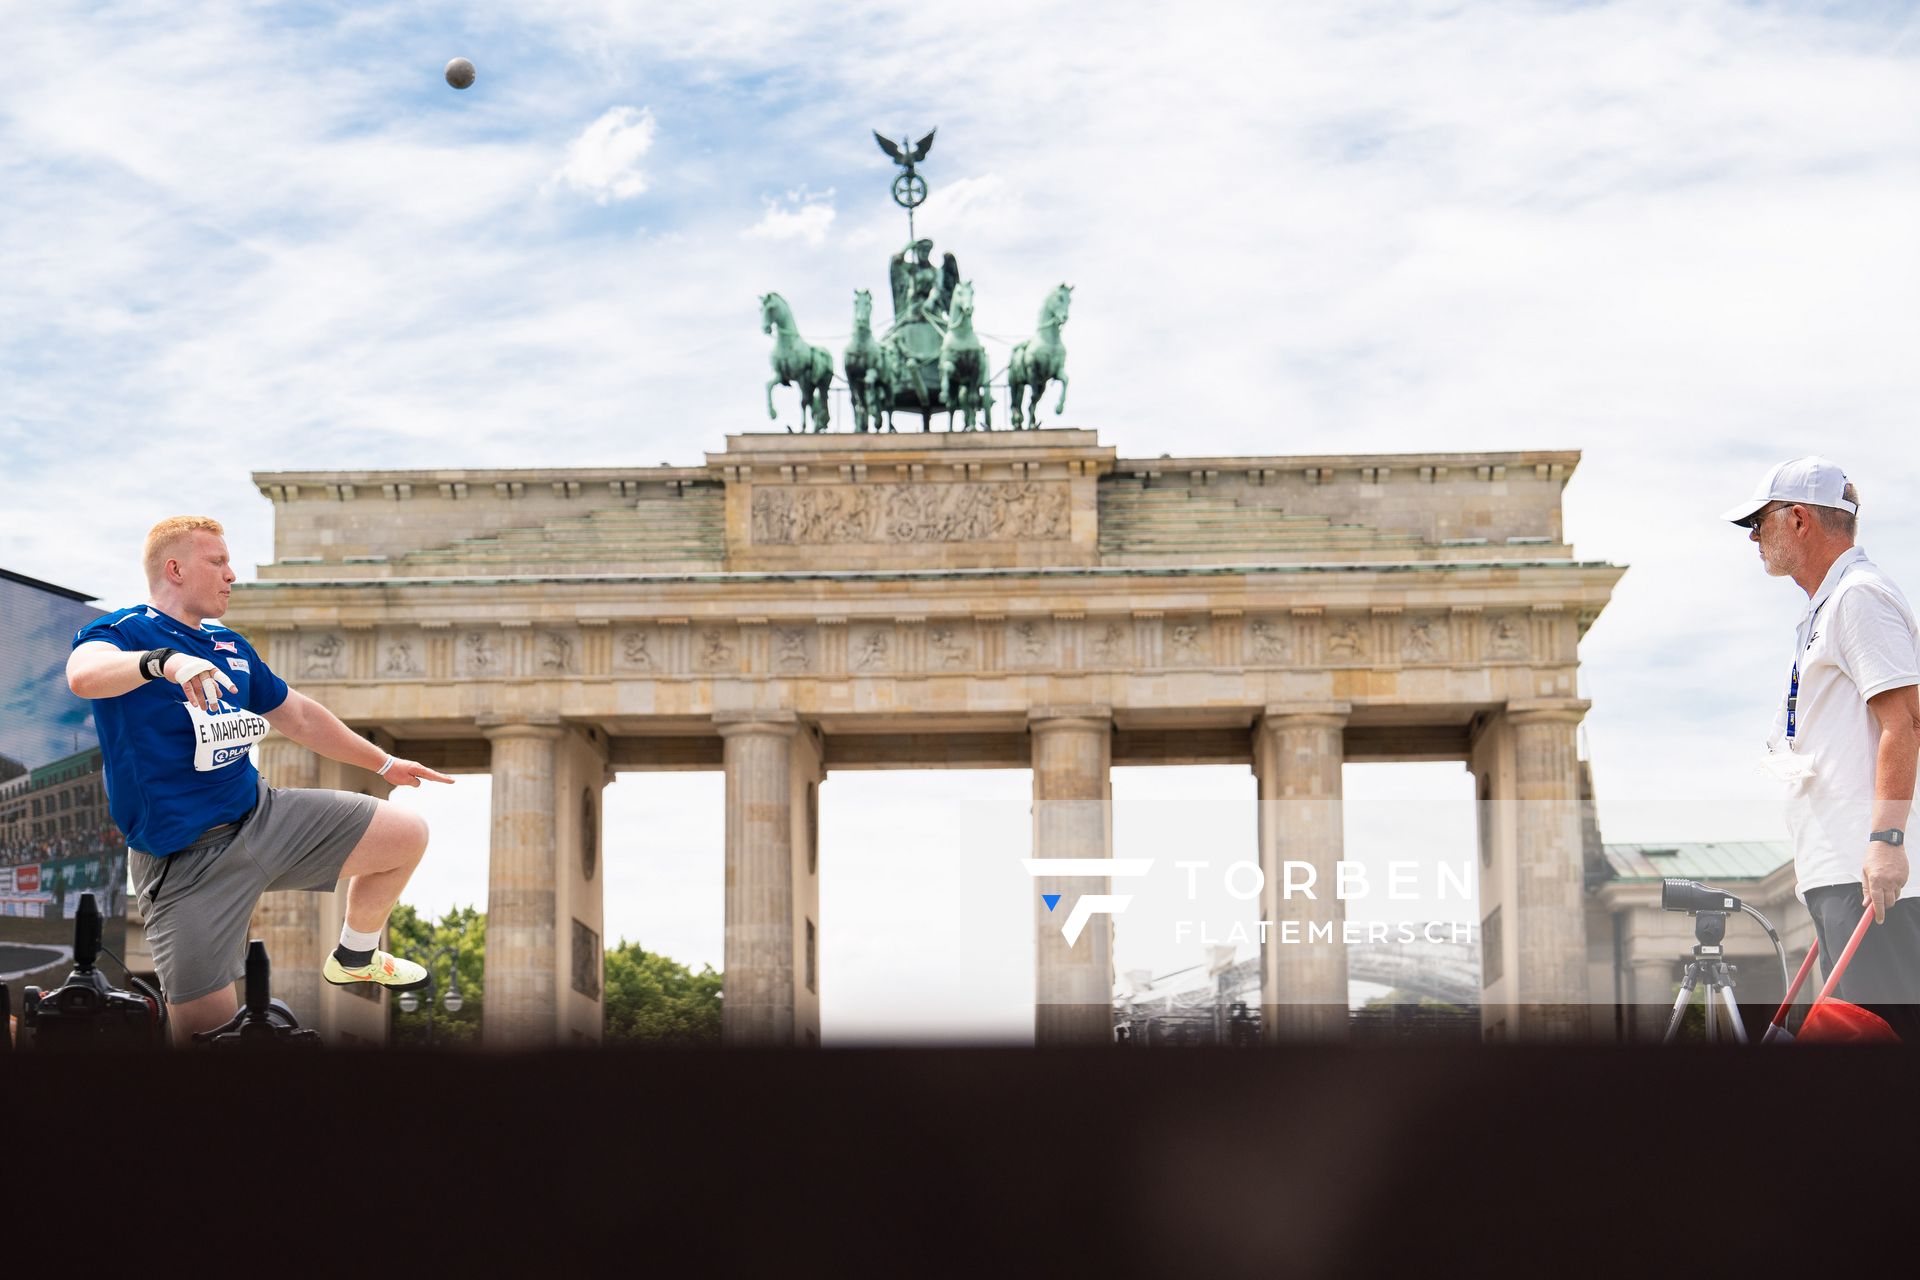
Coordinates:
column 1733, row 860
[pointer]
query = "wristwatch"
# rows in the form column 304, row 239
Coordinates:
column 1892, row 835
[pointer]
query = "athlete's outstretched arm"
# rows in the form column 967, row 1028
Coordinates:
column 317, row 729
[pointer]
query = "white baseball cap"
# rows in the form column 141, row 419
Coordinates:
column 1810, row 481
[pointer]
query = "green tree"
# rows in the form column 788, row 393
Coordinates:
column 411, row 935
column 653, row 1000
column 1398, row 999
column 648, row 999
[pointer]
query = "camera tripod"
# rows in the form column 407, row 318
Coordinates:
column 1709, row 963
column 262, row 1022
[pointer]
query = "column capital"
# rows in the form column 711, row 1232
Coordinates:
column 783, row 724
column 1085, row 719
column 496, row 727
column 1317, row 715
column 1547, row 711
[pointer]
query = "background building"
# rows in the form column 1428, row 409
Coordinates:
column 1638, row 951
column 57, row 841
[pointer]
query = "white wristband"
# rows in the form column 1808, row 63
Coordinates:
column 381, row 772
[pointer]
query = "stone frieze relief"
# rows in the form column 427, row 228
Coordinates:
column 981, row 511
column 1265, row 641
column 634, row 651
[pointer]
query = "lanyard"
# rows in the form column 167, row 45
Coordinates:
column 1793, row 684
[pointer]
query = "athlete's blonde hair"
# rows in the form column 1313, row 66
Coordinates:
column 165, row 537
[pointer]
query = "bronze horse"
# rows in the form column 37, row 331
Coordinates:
column 796, row 362
column 1040, row 360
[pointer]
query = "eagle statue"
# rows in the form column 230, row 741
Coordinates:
column 900, row 153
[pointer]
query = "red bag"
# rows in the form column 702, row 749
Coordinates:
column 1837, row 1022
column 1831, row 1021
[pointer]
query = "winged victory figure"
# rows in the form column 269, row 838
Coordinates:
column 899, row 151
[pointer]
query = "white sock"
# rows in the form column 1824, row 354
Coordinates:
column 354, row 940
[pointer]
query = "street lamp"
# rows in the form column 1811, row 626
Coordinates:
column 453, row 1002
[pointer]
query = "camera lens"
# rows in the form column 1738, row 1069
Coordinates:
column 1691, row 895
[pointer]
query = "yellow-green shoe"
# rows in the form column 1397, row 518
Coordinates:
column 383, row 969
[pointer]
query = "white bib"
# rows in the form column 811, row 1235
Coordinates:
column 222, row 739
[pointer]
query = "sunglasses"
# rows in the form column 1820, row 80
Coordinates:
column 1759, row 518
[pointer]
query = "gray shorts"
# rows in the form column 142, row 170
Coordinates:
column 197, row 921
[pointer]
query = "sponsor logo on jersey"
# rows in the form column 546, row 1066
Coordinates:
column 222, row 738
column 225, row 646
column 239, row 664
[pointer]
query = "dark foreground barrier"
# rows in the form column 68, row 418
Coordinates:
column 1412, row 1161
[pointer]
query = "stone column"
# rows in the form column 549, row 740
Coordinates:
column 522, row 963
column 1072, row 818
column 580, row 778
column 758, row 1008
column 291, row 922
column 1548, row 919
column 1297, row 755
column 809, row 772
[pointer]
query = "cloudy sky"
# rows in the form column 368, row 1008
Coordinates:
column 1681, row 238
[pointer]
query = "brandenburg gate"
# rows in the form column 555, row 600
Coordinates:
column 798, row 604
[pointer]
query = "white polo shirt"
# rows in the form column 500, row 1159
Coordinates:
column 1857, row 639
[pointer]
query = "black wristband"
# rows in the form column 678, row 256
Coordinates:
column 153, row 663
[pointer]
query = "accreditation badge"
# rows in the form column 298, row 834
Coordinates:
column 1784, row 765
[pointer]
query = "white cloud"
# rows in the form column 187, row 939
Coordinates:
column 970, row 206
column 800, row 215
column 604, row 161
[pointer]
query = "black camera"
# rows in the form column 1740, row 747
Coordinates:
column 1709, row 908
column 88, row 1011
column 1691, row 896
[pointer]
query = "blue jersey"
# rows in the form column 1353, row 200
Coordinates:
column 172, row 770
